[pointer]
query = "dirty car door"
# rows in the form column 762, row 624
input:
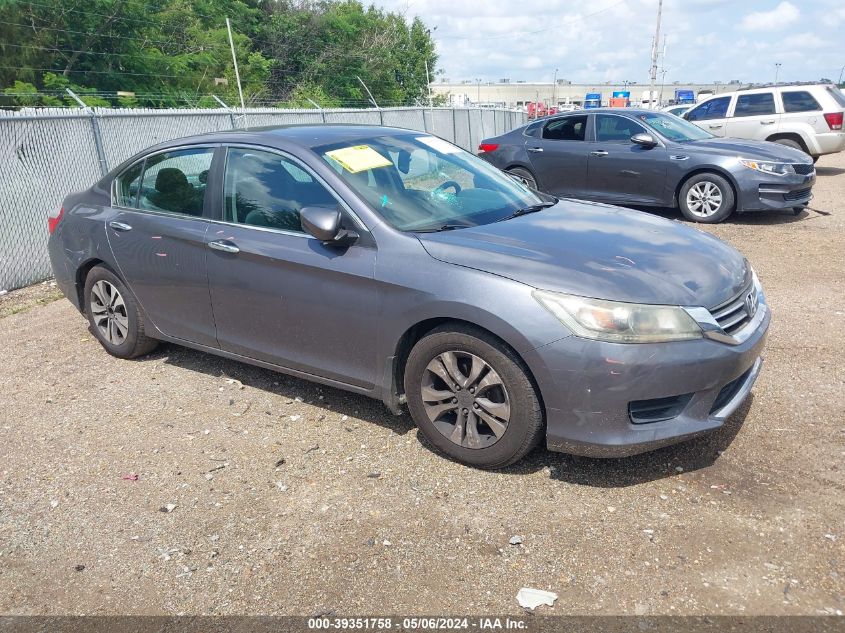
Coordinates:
column 156, row 230
column 280, row 295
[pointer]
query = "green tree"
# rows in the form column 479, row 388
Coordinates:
column 176, row 52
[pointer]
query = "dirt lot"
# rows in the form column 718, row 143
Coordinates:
column 361, row 517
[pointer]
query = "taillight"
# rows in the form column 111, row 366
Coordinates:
column 53, row 220
column 487, row 147
column 834, row 120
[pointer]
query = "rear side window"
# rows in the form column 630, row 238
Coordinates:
column 533, row 129
column 837, row 95
column 756, row 104
column 266, row 189
column 712, row 109
column 570, row 128
column 127, row 186
column 799, row 102
column 616, row 128
column 174, row 182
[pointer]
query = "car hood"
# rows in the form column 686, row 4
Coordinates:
column 600, row 251
column 761, row 150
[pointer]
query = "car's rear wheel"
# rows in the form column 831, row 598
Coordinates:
column 472, row 398
column 707, row 198
column 114, row 315
column 524, row 176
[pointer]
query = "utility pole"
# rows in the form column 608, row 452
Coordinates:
column 554, row 90
column 777, row 72
column 654, row 45
column 663, row 73
column 428, row 80
column 478, row 96
column 235, row 61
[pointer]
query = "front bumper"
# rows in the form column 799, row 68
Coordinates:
column 588, row 388
column 766, row 193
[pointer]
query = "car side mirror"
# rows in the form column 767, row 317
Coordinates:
column 324, row 223
column 685, row 115
column 643, row 139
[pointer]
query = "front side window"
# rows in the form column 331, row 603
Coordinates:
column 756, row 104
column 570, row 128
column 712, row 109
column 417, row 182
column 799, row 101
column 175, row 181
column 265, row 189
column 611, row 128
column 127, row 185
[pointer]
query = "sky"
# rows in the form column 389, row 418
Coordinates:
column 591, row 41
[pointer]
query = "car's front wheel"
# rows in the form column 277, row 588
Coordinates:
column 707, row 198
column 114, row 315
column 472, row 398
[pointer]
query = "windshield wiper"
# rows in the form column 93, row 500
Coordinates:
column 444, row 227
column 530, row 209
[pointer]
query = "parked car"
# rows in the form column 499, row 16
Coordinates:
column 804, row 116
column 677, row 110
column 646, row 158
column 394, row 264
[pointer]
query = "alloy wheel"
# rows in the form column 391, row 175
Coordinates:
column 704, row 199
column 109, row 312
column 465, row 399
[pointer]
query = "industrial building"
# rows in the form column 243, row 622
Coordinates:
column 517, row 94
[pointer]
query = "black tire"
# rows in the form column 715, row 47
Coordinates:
column 790, row 143
column 697, row 183
column 525, row 424
column 126, row 314
column 524, row 175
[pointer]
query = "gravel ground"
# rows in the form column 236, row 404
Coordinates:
column 290, row 498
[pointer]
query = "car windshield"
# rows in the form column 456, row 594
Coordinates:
column 673, row 127
column 418, row 182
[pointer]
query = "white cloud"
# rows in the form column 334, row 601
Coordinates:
column 778, row 18
column 610, row 40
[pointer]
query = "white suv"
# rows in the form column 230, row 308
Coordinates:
column 806, row 116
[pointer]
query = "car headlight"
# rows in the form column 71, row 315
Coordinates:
column 767, row 167
column 620, row 322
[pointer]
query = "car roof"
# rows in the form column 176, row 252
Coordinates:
column 632, row 111
column 304, row 135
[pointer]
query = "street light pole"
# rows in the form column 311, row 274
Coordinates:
column 777, row 72
column 554, row 90
column 478, row 99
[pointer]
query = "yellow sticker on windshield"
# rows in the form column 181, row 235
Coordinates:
column 358, row 158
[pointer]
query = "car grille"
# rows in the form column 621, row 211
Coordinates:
column 797, row 194
column 657, row 409
column 729, row 391
column 803, row 169
column 735, row 314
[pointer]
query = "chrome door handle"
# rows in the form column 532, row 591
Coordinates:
column 535, row 149
column 599, row 152
column 766, row 122
column 226, row 247
column 120, row 226
column 679, row 157
column 714, row 127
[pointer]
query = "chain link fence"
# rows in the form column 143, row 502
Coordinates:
column 47, row 153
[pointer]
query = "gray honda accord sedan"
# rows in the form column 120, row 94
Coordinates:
column 394, row 264
column 653, row 159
